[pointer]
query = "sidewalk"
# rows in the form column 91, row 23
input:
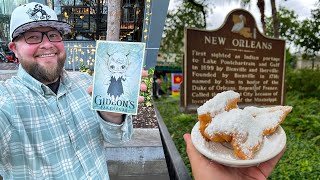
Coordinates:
column 7, row 74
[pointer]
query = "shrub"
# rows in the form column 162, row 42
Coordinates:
column 84, row 68
column 147, row 94
column 304, row 82
column 300, row 161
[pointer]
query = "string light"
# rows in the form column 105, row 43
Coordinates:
column 77, row 53
column 148, row 14
column 78, row 50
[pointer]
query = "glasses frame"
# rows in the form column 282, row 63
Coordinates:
column 42, row 35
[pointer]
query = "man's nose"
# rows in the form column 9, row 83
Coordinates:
column 46, row 41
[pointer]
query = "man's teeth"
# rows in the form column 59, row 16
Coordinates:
column 46, row 55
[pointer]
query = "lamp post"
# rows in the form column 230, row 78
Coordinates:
column 126, row 12
column 136, row 10
column 98, row 17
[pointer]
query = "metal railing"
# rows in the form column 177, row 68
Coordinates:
column 176, row 167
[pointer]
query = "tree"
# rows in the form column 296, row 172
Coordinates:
column 199, row 7
column 289, row 24
column 261, row 6
column 304, row 34
column 308, row 35
column 275, row 19
column 189, row 14
column 114, row 16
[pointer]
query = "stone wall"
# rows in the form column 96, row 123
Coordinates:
column 301, row 64
column 142, row 158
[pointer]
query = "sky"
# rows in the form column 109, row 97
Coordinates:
column 220, row 8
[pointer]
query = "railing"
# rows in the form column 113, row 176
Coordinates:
column 176, row 167
column 79, row 52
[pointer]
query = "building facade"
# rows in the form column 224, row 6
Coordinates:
column 87, row 17
column 140, row 21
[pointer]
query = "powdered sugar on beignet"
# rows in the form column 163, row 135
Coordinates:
column 269, row 117
column 223, row 101
column 222, row 121
column 245, row 131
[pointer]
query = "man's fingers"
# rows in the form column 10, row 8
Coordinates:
column 190, row 148
column 267, row 167
column 141, row 99
column 144, row 73
column 193, row 153
column 143, row 86
column 89, row 90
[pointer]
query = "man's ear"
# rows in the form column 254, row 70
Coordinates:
column 13, row 47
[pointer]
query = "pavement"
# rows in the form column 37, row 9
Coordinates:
column 7, row 70
column 7, row 66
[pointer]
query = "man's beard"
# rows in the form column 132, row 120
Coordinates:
column 42, row 74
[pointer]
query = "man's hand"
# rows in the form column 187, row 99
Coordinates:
column 117, row 117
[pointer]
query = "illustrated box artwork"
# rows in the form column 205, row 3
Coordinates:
column 117, row 76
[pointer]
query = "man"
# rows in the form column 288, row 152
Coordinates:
column 47, row 129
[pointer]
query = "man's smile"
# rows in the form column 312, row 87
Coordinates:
column 46, row 55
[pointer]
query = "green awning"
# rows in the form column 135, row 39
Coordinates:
column 168, row 68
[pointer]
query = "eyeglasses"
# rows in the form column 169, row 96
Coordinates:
column 36, row 37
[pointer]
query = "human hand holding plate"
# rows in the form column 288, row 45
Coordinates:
column 203, row 168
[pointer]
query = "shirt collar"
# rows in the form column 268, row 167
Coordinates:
column 41, row 88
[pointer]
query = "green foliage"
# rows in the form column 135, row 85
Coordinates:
column 84, row 68
column 305, row 82
column 187, row 15
column 304, row 120
column 147, row 94
column 177, row 123
column 288, row 24
column 302, row 33
column 300, row 161
column 309, row 33
column 291, row 60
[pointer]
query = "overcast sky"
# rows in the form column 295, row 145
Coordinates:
column 220, row 8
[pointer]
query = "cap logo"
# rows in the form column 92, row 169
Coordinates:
column 38, row 13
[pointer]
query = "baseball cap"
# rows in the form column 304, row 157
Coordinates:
column 32, row 15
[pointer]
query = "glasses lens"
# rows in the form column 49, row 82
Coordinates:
column 33, row 37
column 54, row 36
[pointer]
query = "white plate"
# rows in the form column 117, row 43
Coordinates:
column 223, row 154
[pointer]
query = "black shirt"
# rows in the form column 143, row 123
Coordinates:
column 54, row 86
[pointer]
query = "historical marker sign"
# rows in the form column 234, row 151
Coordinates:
column 235, row 57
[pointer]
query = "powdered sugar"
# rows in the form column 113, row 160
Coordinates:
column 240, row 124
column 268, row 117
column 217, row 104
column 245, row 127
